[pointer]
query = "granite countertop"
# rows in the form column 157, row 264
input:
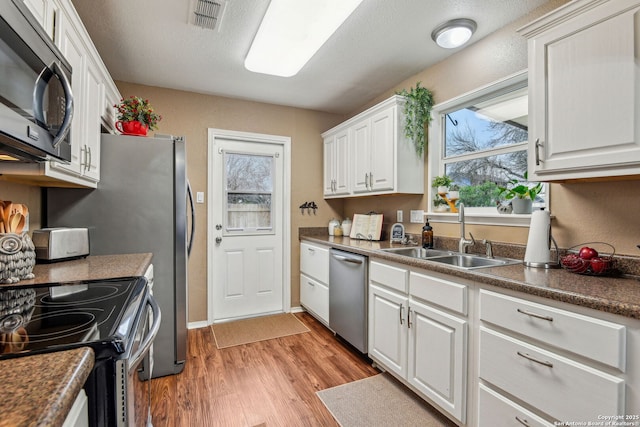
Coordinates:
column 40, row 390
column 93, row 267
column 618, row 295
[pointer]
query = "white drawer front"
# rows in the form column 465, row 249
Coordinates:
column 495, row 410
column 314, row 261
column 565, row 390
column 438, row 291
column 314, row 296
column 389, row 276
column 563, row 329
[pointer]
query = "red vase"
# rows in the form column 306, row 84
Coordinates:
column 132, row 128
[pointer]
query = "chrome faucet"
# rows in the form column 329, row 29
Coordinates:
column 464, row 242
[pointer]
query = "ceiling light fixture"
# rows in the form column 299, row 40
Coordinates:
column 292, row 31
column 454, row 33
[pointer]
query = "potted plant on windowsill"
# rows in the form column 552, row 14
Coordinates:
column 521, row 195
column 136, row 116
column 440, row 204
column 441, row 184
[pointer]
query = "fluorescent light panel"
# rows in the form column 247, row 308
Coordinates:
column 292, row 31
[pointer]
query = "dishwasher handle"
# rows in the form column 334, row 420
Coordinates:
column 347, row 259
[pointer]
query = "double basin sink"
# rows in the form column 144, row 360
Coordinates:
column 455, row 259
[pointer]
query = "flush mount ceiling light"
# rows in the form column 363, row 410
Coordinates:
column 454, row 33
column 292, row 31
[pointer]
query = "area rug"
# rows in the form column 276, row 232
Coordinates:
column 257, row 329
column 379, row 401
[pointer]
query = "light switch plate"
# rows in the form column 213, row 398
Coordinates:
column 399, row 216
column 200, row 197
column 417, row 216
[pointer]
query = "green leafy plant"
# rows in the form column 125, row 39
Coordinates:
column 517, row 190
column 135, row 108
column 441, row 181
column 417, row 111
column 438, row 201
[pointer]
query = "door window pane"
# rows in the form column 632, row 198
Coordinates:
column 249, row 192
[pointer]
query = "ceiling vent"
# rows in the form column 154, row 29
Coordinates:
column 208, row 13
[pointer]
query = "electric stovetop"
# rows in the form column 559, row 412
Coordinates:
column 54, row 317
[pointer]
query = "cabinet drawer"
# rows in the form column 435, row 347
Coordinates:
column 559, row 387
column 495, row 410
column 563, row 329
column 389, row 276
column 438, row 291
column 314, row 261
column 314, row 296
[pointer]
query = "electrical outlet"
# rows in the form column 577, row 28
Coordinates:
column 417, row 216
column 399, row 216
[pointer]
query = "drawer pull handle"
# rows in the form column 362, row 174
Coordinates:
column 537, row 316
column 523, row 422
column 533, row 359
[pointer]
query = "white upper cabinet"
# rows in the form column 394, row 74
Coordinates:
column 378, row 158
column 94, row 93
column 584, row 91
column 336, row 166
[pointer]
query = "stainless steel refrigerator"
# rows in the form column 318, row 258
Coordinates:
column 140, row 205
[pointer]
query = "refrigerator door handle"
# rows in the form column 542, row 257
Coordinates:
column 193, row 218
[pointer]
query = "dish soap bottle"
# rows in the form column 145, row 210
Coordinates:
column 427, row 236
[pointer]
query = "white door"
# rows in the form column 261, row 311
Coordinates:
column 247, row 226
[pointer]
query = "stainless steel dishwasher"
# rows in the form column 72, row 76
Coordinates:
column 348, row 297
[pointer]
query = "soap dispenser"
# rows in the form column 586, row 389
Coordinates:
column 427, row 236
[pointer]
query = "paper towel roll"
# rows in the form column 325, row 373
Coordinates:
column 539, row 242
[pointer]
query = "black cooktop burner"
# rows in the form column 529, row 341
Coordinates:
column 54, row 316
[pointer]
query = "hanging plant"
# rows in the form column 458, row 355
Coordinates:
column 417, row 111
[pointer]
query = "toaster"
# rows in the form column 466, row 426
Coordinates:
column 61, row 243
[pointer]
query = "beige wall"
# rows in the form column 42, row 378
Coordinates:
column 191, row 114
column 584, row 212
column 26, row 195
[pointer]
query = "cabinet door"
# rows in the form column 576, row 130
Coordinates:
column 341, row 162
column 584, row 91
column 387, row 330
column 438, row 357
column 336, row 164
column 71, row 47
column 329, row 165
column 90, row 160
column 314, row 296
column 361, row 155
column 45, row 12
column 383, row 161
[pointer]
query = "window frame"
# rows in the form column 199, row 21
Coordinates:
column 436, row 163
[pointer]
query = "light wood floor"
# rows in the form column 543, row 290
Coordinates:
column 268, row 383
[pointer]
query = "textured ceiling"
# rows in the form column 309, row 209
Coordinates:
column 383, row 42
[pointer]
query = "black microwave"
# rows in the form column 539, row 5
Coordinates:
column 36, row 101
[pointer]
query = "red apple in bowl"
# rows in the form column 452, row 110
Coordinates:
column 599, row 265
column 587, row 253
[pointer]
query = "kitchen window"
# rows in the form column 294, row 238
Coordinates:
column 480, row 141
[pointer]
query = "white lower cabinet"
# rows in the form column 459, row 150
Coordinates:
column 387, row 331
column 424, row 345
column 497, row 411
column 560, row 387
column 314, row 280
column 550, row 365
column 438, row 356
column 78, row 415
